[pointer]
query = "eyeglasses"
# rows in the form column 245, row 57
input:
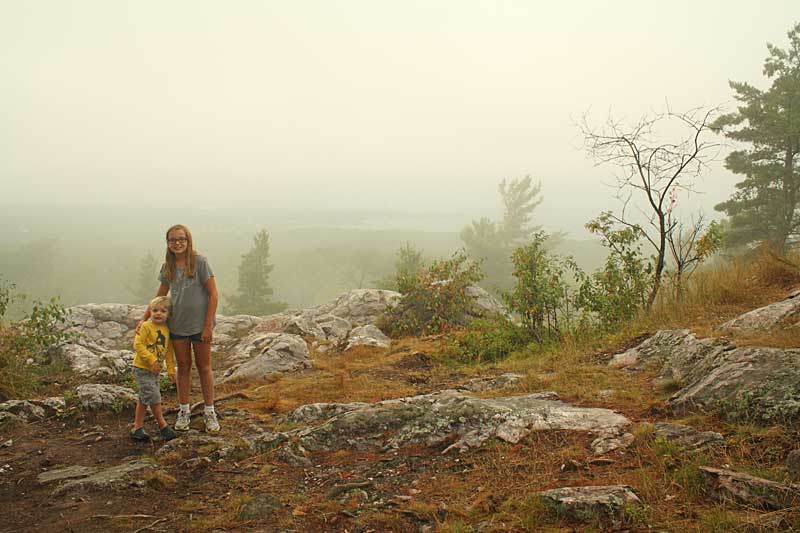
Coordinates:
column 177, row 240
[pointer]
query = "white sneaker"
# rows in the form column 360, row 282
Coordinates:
column 182, row 423
column 212, row 425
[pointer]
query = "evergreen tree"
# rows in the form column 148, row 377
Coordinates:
column 492, row 243
column 254, row 295
column 147, row 281
column 765, row 205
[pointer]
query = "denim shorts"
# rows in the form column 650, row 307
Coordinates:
column 197, row 337
column 148, row 382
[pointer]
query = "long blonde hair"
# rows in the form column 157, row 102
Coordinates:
column 169, row 271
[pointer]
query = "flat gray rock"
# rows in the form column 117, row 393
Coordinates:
column 591, row 503
column 70, row 472
column 107, row 478
column 434, row 419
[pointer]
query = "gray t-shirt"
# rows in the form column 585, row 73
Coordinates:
column 189, row 298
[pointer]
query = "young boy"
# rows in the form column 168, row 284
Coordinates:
column 153, row 348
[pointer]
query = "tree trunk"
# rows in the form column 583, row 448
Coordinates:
column 662, row 248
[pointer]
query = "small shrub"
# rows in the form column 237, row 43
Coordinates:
column 614, row 294
column 29, row 348
column 159, row 480
column 540, row 297
column 436, row 299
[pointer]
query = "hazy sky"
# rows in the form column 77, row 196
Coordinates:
column 352, row 104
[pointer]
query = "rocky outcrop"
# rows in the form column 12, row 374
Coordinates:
column 96, row 396
column 268, row 353
column 435, row 419
column 359, row 306
column 747, row 382
column 25, row 410
column 752, row 491
column 765, row 317
column 591, row 503
column 97, row 362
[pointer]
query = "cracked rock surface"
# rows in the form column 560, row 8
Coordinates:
column 438, row 418
column 753, row 382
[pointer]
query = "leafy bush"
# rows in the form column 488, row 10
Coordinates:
column 436, row 299
column 36, row 337
column 614, row 294
column 540, row 297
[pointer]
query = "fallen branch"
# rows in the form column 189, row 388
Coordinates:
column 113, row 516
column 150, row 526
column 216, row 401
column 344, row 487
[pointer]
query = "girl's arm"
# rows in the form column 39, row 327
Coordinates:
column 211, row 289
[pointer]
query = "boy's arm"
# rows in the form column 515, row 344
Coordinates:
column 140, row 345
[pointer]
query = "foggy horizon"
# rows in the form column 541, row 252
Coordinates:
column 361, row 105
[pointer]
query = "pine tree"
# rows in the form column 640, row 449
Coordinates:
column 492, row 243
column 765, row 205
column 254, row 294
column 147, row 281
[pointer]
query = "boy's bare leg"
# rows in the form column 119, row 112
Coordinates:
column 202, row 358
column 158, row 414
column 141, row 410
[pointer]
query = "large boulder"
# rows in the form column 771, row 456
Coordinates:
column 368, row 335
column 765, row 317
column 359, row 306
column 483, row 304
column 107, row 325
column 96, row 396
column 23, row 409
column 268, row 353
column 229, row 329
column 745, row 382
column 97, row 362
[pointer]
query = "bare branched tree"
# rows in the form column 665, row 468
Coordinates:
column 651, row 169
column 690, row 245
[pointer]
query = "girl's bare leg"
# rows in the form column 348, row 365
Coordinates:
column 183, row 356
column 202, row 358
column 141, row 410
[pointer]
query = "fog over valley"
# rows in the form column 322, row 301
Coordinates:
column 345, row 129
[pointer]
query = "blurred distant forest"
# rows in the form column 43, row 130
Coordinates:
column 95, row 254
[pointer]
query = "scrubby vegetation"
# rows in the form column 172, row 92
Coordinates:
column 35, row 339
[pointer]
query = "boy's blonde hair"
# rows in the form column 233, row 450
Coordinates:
column 161, row 301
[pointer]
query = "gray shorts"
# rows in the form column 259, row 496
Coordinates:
column 149, row 389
